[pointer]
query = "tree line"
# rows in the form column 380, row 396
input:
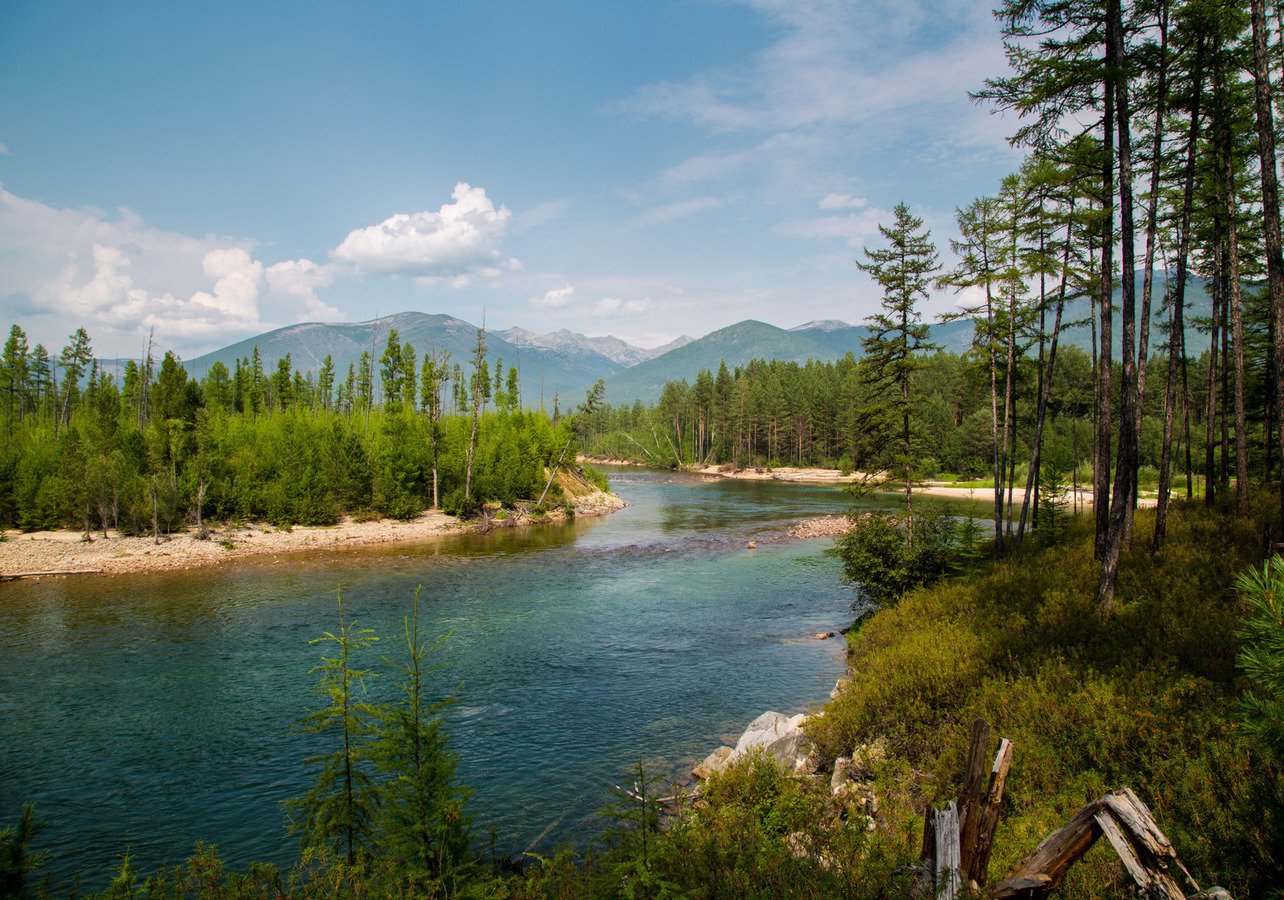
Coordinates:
column 150, row 450
column 1150, row 137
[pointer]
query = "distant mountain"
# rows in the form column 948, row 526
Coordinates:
column 568, row 363
column 822, row 325
column 611, row 347
column 737, row 344
column 543, row 370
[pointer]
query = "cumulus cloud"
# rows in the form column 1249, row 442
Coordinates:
column 109, row 298
column 459, row 239
column 557, row 298
column 614, row 307
column 302, row 278
column 119, row 277
column 843, row 201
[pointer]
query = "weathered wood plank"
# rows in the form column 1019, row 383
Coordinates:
column 1136, row 818
column 969, row 805
column 1136, row 868
column 1061, row 849
column 1024, row 887
column 948, row 877
column 980, row 861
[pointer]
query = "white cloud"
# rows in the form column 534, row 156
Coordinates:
column 4, row 149
column 457, row 240
column 557, row 298
column 854, row 227
column 614, row 307
column 843, row 201
column 118, row 277
column 302, row 278
column 680, row 209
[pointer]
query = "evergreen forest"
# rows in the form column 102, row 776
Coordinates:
column 155, row 451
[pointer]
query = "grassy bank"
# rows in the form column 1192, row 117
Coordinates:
column 1145, row 697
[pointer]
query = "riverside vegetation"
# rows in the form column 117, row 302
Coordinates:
column 1113, row 649
column 1178, row 693
column 157, row 451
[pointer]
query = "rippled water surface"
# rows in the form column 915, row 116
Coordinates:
column 144, row 713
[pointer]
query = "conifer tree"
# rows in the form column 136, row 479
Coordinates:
column 325, row 383
column 424, row 832
column 436, row 370
column 480, row 384
column 898, row 334
column 337, row 813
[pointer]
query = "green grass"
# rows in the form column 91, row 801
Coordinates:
column 1140, row 698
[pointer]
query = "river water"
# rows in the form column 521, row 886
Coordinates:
column 145, row 713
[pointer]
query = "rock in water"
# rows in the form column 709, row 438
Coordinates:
column 714, row 762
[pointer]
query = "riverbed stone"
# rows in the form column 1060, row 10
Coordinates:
column 714, row 762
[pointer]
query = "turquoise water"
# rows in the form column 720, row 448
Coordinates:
column 144, row 713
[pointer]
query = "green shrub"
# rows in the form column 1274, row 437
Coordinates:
column 882, row 561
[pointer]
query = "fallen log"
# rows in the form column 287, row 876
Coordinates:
column 16, row 575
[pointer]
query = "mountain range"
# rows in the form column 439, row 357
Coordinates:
column 567, row 364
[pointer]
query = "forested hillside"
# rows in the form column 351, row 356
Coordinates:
column 158, row 450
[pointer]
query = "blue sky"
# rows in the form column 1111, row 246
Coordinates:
column 638, row 169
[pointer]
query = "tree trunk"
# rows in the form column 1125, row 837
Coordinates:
column 1270, row 209
column 1177, row 333
column 1237, row 327
column 1045, row 385
column 1126, row 463
column 1210, row 405
column 1105, row 375
column 1152, row 224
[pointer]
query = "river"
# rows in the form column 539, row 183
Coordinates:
column 143, row 713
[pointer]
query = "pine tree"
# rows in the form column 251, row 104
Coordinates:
column 337, row 813
column 904, row 271
column 424, row 832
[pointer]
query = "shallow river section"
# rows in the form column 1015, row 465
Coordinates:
column 145, row 713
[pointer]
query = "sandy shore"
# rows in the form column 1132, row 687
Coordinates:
column 65, row 552
column 753, row 473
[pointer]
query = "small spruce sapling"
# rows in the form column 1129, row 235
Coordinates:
column 424, row 831
column 337, row 813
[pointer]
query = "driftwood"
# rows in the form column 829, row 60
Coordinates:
column 17, row 575
column 979, row 861
column 970, row 806
column 958, row 840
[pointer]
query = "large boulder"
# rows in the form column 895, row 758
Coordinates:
column 714, row 762
column 775, row 735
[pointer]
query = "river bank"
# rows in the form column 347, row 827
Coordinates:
column 47, row 553
column 806, row 475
